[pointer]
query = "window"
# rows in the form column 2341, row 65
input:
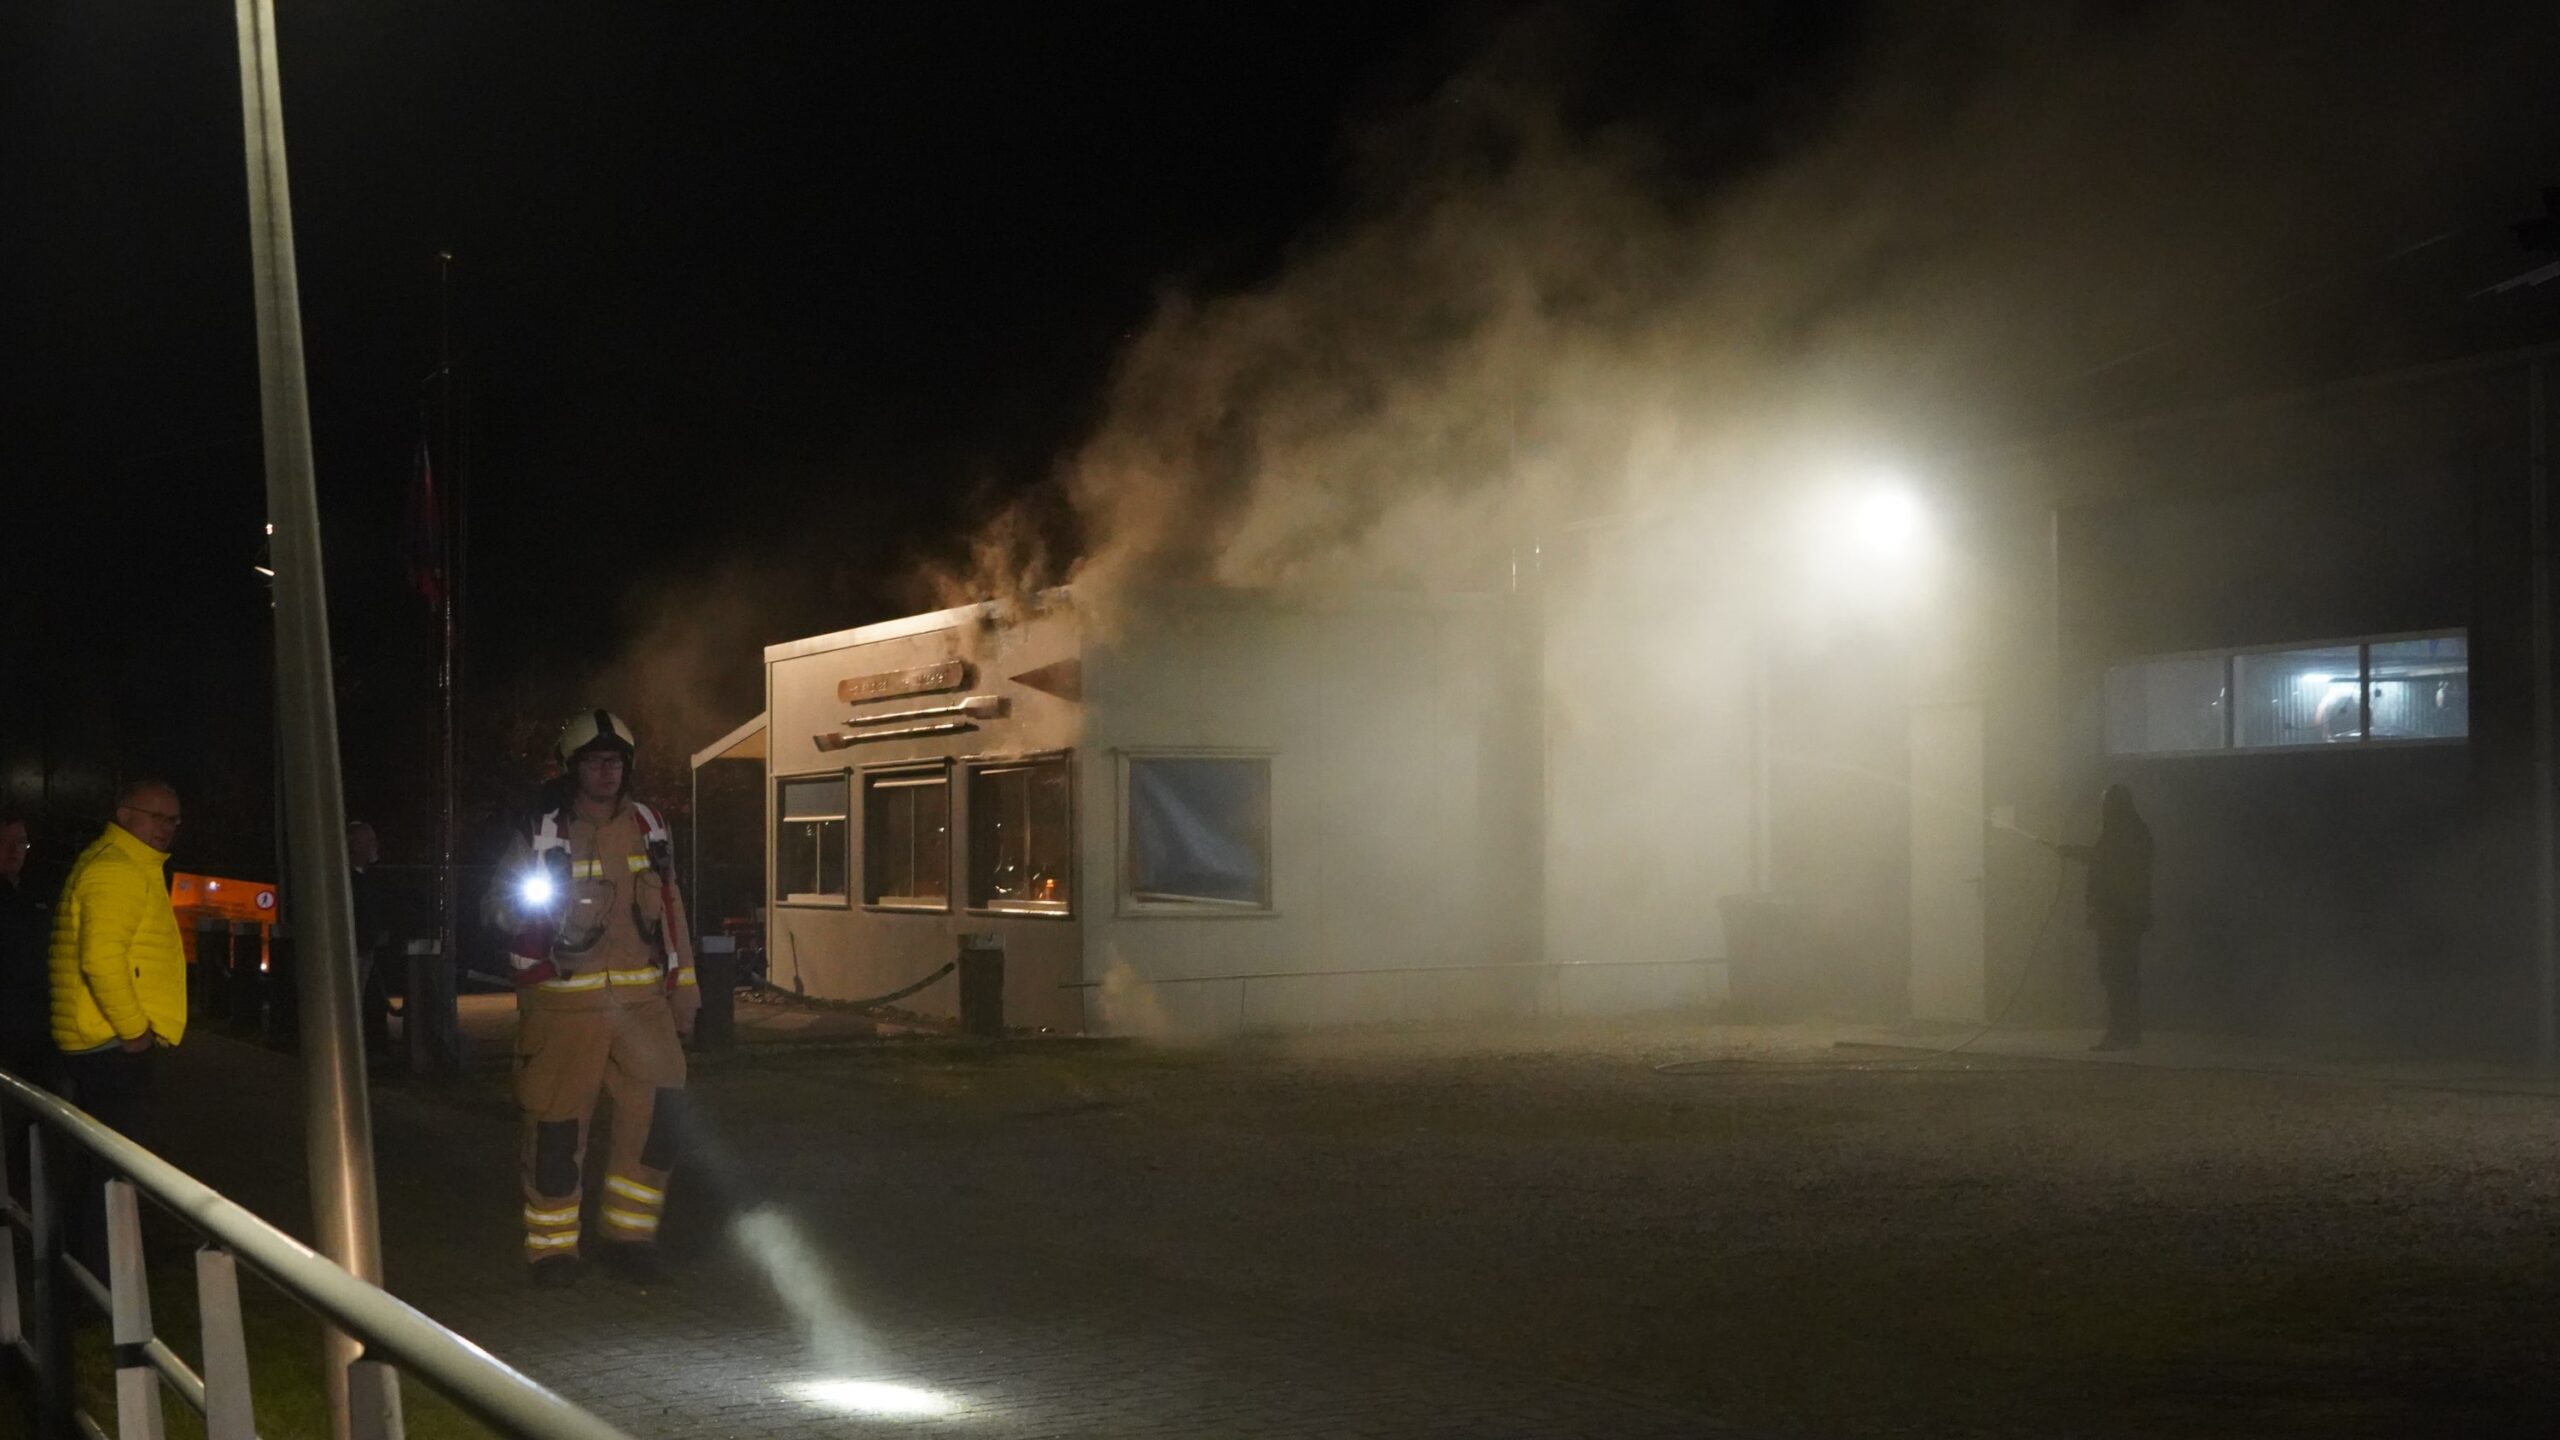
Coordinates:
column 906, row 839
column 2296, row 697
column 809, row 840
column 2344, row 692
column 1199, row 831
column 1021, row 846
column 2421, row 689
column 2164, row 706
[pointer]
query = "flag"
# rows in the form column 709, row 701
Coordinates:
column 424, row 541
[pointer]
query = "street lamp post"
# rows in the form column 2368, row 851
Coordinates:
column 338, row 1134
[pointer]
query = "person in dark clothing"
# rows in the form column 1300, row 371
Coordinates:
column 2119, row 909
column 26, row 933
column 373, row 937
column 26, row 989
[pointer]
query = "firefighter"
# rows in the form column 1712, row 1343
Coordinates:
column 604, row 998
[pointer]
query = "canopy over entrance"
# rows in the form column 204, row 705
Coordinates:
column 744, row 743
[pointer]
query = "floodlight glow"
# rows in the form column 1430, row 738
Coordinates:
column 1888, row 518
column 872, row 1397
column 536, row 890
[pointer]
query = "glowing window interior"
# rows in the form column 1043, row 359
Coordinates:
column 2384, row 689
column 1021, row 846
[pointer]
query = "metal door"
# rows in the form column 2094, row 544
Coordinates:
column 1947, row 979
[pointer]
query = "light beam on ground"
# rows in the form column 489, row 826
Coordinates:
column 872, row 1397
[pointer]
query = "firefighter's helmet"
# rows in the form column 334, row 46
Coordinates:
column 594, row 730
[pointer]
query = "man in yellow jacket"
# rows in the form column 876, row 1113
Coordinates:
column 119, row 974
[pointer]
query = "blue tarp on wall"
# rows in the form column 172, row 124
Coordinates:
column 1196, row 829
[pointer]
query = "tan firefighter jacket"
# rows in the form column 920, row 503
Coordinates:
column 592, row 912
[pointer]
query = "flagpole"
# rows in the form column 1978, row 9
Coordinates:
column 337, row 1122
column 448, row 677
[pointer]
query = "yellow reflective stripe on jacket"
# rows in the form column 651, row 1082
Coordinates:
column 598, row 979
column 627, row 1220
column 639, row 863
column 551, row 1242
column 685, row 976
column 586, row 869
column 633, row 1189
column 566, row 1216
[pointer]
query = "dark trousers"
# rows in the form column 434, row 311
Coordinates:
column 114, row 1086
column 2120, row 971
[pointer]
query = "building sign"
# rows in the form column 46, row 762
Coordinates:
column 846, row 739
column 216, row 897
column 898, row 684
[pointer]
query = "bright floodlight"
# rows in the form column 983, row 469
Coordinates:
column 872, row 1397
column 1889, row 519
column 536, row 889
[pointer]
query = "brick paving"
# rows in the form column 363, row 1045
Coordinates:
column 1020, row 1333
column 1536, row 1235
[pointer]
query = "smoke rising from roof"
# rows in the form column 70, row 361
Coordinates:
column 1538, row 309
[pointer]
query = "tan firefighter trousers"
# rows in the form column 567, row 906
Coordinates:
column 565, row 1059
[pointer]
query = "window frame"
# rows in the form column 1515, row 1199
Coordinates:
column 2363, row 645
column 2223, row 658
column 1133, row 906
column 970, row 768
column 924, row 772
column 776, row 895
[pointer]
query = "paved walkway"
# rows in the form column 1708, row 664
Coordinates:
column 2196, row 1051
column 1539, row 1233
column 927, row 1298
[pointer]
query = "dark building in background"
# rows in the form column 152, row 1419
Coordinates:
column 2302, row 629
column 2288, row 597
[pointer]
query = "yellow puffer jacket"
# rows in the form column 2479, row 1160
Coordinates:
column 118, row 969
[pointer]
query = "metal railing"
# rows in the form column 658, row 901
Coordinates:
column 394, row 1337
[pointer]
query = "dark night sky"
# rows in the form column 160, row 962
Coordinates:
column 723, row 268
column 715, row 261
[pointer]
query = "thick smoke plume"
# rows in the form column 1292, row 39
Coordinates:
column 1538, row 309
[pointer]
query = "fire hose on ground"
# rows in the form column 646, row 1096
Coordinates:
column 873, row 1002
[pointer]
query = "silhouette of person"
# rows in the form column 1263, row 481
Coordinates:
column 2119, row 910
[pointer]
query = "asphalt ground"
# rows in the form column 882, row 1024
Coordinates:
column 1530, row 1233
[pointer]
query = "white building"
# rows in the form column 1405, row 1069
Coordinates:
column 1238, row 813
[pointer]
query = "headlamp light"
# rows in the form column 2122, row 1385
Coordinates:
column 536, row 890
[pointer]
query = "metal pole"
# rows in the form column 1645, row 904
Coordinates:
column 1763, row 866
column 448, row 678
column 337, row 1126
column 2546, row 865
column 693, row 878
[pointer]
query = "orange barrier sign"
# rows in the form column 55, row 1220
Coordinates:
column 200, row 898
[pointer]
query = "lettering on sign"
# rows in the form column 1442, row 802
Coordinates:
column 898, row 684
